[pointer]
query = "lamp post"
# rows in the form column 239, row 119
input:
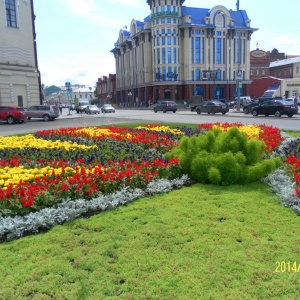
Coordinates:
column 129, row 96
column 109, row 98
column 218, row 94
column 239, row 75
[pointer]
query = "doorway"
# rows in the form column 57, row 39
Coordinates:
column 20, row 101
column 167, row 94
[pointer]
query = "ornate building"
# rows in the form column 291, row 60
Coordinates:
column 178, row 52
column 19, row 75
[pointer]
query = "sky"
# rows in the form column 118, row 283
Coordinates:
column 74, row 38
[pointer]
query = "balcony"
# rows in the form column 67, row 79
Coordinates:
column 164, row 14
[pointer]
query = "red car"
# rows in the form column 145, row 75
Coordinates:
column 12, row 114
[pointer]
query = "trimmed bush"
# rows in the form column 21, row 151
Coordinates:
column 223, row 157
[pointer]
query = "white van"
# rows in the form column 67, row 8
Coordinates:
column 244, row 100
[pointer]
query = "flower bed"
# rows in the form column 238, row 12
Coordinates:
column 53, row 167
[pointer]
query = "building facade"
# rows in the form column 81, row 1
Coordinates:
column 178, row 52
column 20, row 82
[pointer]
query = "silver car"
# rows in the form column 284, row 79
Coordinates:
column 108, row 108
column 92, row 109
column 46, row 112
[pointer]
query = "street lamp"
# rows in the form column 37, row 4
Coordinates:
column 218, row 94
column 109, row 98
column 129, row 95
column 239, row 76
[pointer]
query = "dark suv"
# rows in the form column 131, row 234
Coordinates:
column 46, row 112
column 12, row 114
column 276, row 108
column 165, row 106
column 258, row 101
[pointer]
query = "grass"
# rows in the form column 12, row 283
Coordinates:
column 200, row 242
column 294, row 134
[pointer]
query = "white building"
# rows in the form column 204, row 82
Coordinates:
column 177, row 52
column 19, row 75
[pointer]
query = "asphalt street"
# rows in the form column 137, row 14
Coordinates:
column 145, row 115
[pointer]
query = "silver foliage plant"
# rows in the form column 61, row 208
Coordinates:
column 15, row 227
column 279, row 181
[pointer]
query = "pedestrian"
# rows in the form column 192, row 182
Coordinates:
column 296, row 101
column 185, row 105
column 60, row 108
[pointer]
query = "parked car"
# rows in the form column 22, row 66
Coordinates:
column 92, row 109
column 46, row 112
column 212, row 107
column 12, row 114
column 276, row 108
column 248, row 107
column 165, row 106
column 108, row 108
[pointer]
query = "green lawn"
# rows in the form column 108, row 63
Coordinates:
column 200, row 242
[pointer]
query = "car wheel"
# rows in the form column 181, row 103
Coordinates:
column 246, row 110
column 198, row 111
column 174, row 111
column 164, row 111
column 277, row 113
column 290, row 115
column 46, row 118
column 155, row 110
column 266, row 115
column 224, row 112
column 213, row 111
column 10, row 120
column 52, row 119
column 254, row 113
column 28, row 118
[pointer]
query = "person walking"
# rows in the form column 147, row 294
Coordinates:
column 60, row 108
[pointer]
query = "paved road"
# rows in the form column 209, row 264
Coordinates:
column 145, row 115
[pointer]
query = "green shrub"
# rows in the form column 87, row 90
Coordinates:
column 223, row 157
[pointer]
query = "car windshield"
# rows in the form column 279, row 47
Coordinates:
column 107, row 105
column 93, row 106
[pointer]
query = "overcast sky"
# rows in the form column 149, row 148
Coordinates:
column 74, row 38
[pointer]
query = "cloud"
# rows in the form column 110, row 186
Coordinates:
column 81, row 7
column 134, row 3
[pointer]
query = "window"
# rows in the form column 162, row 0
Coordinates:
column 174, row 55
column 11, row 16
column 198, row 74
column 197, row 50
column 163, row 55
column 169, row 55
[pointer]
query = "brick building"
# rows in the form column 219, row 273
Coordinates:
column 106, row 89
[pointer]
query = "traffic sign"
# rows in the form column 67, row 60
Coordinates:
column 68, row 84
